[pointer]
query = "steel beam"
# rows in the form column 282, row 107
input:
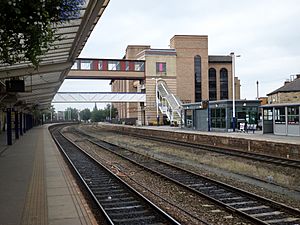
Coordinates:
column 92, row 97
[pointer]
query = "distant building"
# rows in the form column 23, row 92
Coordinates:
column 288, row 93
column 282, row 115
column 217, row 115
column 60, row 115
column 185, row 69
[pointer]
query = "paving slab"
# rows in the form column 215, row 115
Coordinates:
column 36, row 186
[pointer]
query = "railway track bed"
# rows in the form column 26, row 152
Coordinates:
column 276, row 177
column 118, row 202
column 258, row 209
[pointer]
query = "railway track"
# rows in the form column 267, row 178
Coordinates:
column 233, row 152
column 120, row 203
column 253, row 207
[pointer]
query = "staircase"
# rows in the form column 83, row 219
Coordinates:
column 169, row 104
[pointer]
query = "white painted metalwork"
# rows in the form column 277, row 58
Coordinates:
column 41, row 84
column 91, row 97
column 170, row 104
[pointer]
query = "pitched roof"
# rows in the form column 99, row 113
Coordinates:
column 293, row 86
column 219, row 59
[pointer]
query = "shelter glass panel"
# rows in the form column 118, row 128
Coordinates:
column 293, row 114
column 268, row 114
column 218, row 118
column 280, row 115
column 189, row 118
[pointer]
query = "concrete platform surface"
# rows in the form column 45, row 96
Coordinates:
column 36, row 186
column 257, row 135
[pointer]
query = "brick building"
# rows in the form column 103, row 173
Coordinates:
column 186, row 70
column 288, row 93
column 282, row 115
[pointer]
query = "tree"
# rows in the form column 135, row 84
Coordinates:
column 28, row 29
column 97, row 115
column 110, row 113
column 85, row 114
column 71, row 113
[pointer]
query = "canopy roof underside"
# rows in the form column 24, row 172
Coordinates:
column 42, row 84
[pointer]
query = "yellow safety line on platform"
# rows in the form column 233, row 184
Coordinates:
column 35, row 209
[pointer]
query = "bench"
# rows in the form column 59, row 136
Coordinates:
column 251, row 127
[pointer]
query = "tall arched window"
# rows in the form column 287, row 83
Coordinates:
column 197, row 68
column 212, row 84
column 223, row 84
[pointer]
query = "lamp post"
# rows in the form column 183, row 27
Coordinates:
column 233, row 90
column 156, row 99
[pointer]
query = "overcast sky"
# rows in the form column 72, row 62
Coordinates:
column 266, row 33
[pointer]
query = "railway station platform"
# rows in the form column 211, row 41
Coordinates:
column 268, row 144
column 257, row 135
column 36, row 186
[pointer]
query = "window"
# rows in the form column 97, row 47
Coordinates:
column 127, row 65
column 280, row 115
column 223, row 84
column 86, row 64
column 268, row 114
column 212, row 84
column 139, row 66
column 161, row 67
column 197, row 69
column 100, row 65
column 75, row 66
column 114, row 65
column 218, row 118
column 293, row 114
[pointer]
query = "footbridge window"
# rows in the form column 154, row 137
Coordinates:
column 223, row 84
column 109, row 65
column 197, row 69
column 86, row 64
column 212, row 84
column 139, row 66
column 114, row 65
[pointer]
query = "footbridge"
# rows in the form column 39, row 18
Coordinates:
column 117, row 69
column 104, row 97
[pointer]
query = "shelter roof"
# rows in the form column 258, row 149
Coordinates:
column 41, row 84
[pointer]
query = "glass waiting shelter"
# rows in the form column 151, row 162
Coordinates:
column 281, row 119
column 218, row 115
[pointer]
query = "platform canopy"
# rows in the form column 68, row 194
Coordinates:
column 42, row 84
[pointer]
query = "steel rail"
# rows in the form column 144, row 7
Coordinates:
column 225, row 151
column 253, row 207
column 120, row 203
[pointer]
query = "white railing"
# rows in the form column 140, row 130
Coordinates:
column 169, row 105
